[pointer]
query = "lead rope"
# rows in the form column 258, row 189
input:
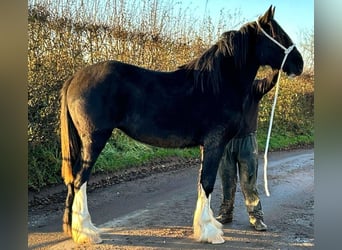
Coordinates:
column 287, row 52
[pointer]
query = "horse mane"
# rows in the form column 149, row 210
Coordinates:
column 207, row 69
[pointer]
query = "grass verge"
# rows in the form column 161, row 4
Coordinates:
column 123, row 152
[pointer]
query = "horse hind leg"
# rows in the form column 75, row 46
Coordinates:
column 83, row 230
column 206, row 227
column 67, row 217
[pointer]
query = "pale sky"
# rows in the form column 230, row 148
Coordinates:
column 293, row 16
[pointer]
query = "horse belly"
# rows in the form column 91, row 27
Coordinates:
column 159, row 136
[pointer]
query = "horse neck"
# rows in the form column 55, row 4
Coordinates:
column 241, row 77
column 248, row 74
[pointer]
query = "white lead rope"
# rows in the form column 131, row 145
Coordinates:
column 287, row 52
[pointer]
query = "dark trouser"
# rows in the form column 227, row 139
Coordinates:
column 241, row 154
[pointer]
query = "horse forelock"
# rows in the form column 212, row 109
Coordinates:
column 207, row 68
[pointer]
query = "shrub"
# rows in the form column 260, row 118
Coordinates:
column 65, row 36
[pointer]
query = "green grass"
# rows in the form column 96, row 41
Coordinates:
column 285, row 140
column 123, row 152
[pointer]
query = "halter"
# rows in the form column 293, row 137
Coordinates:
column 287, row 52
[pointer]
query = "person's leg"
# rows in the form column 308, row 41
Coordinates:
column 228, row 175
column 248, row 173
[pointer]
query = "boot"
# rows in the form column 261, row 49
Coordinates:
column 257, row 221
column 225, row 212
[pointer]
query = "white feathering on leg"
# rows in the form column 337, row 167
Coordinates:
column 83, row 230
column 206, row 227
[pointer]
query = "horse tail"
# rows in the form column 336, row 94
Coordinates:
column 70, row 140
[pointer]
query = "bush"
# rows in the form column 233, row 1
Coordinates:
column 65, row 36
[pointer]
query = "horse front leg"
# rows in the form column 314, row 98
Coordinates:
column 206, row 227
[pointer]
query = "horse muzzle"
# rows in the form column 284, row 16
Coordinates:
column 294, row 64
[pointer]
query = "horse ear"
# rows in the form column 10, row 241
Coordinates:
column 268, row 16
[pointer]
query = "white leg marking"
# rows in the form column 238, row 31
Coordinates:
column 83, row 230
column 206, row 227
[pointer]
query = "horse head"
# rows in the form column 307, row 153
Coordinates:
column 273, row 43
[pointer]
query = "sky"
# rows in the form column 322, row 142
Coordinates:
column 293, row 16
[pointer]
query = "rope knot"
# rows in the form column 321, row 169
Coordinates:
column 289, row 49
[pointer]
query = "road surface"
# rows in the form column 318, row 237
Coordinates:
column 156, row 212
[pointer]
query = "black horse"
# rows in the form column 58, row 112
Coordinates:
column 200, row 103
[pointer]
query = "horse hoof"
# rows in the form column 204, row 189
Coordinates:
column 217, row 240
column 96, row 240
column 206, row 227
column 87, row 238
